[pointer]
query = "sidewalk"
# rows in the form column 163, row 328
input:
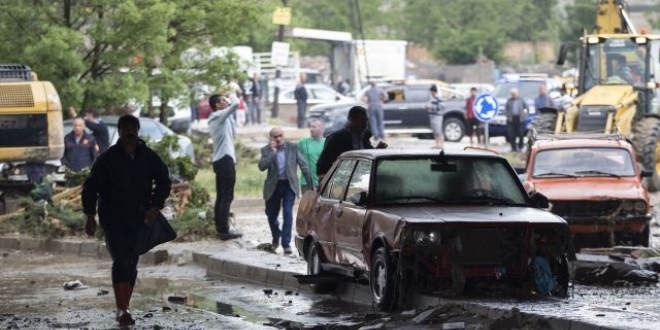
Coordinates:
column 240, row 260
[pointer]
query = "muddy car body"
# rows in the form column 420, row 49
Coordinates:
column 403, row 218
column 594, row 183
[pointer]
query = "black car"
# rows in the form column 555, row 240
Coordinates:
column 405, row 112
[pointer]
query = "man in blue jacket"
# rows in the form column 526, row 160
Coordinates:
column 80, row 149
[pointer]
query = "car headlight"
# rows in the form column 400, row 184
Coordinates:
column 627, row 206
column 640, row 206
column 426, row 237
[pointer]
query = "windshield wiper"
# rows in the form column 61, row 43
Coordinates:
column 598, row 173
column 556, row 174
column 409, row 198
column 490, row 200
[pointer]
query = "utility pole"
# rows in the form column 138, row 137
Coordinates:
column 278, row 73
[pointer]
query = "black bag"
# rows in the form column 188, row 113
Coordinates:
column 158, row 232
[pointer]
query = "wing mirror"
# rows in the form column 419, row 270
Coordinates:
column 358, row 199
column 645, row 174
column 539, row 200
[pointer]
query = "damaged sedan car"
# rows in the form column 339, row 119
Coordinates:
column 404, row 220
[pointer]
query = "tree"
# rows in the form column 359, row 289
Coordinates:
column 580, row 18
column 102, row 52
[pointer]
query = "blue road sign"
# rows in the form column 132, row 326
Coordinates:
column 485, row 107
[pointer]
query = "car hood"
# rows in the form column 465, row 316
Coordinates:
column 473, row 214
column 590, row 188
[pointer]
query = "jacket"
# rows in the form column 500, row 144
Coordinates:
column 508, row 108
column 124, row 187
column 336, row 144
column 293, row 158
column 300, row 93
column 79, row 155
column 100, row 131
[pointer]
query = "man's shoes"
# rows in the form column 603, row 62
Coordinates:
column 273, row 247
column 125, row 318
column 231, row 234
column 287, row 250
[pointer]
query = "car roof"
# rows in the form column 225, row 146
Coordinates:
column 581, row 143
column 413, row 153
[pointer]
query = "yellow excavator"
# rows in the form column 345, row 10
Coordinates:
column 31, row 130
column 617, row 87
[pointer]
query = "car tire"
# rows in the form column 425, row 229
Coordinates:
column 646, row 141
column 382, row 281
column 454, row 129
column 314, row 268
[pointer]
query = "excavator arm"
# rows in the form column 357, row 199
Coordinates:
column 612, row 18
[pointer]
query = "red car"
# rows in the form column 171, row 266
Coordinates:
column 399, row 219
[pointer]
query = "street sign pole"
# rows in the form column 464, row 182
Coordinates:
column 486, row 135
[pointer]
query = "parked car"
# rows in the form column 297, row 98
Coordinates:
column 178, row 110
column 405, row 111
column 465, row 87
column 316, row 94
column 402, row 218
column 528, row 85
column 149, row 128
column 595, row 184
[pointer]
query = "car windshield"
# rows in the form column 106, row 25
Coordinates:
column 528, row 89
column 151, row 130
column 583, row 162
column 460, row 180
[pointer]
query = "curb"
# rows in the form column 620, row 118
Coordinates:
column 223, row 268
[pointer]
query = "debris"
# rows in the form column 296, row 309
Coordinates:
column 288, row 293
column 377, row 326
column 167, row 309
column 618, row 257
column 600, row 315
column 74, row 285
column 176, row 299
column 33, row 282
column 5, row 255
column 102, row 292
column 424, row 316
column 453, row 326
column 268, row 292
column 148, row 315
column 409, row 313
column 157, row 327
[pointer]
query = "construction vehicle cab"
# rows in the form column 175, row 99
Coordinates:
column 617, row 87
column 31, row 129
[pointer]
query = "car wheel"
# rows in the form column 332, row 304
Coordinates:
column 382, row 280
column 314, row 268
column 454, row 129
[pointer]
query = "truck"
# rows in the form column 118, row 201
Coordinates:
column 31, row 130
column 617, row 83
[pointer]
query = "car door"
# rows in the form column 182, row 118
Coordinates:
column 417, row 97
column 323, row 213
column 395, row 107
column 322, row 95
column 349, row 218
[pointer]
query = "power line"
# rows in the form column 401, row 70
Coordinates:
column 364, row 48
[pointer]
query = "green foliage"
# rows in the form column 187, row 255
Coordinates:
column 180, row 166
column 190, row 226
column 87, row 48
column 203, row 151
column 45, row 220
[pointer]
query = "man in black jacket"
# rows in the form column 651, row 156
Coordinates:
column 300, row 94
column 130, row 183
column 80, row 149
column 354, row 136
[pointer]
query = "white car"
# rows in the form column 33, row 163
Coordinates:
column 316, row 94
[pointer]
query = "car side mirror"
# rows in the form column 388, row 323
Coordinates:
column 646, row 174
column 539, row 200
column 358, row 199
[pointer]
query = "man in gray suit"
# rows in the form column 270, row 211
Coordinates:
column 280, row 158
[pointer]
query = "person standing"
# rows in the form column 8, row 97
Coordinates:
column 281, row 159
column 470, row 118
column 435, row 110
column 80, row 149
column 95, row 124
column 516, row 112
column 252, row 95
column 300, row 94
column 311, row 147
column 221, row 129
column 374, row 97
column 354, row 136
column 543, row 100
column 130, row 183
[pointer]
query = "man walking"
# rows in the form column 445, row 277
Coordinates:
column 130, row 183
column 80, row 149
column 252, row 96
column 310, row 148
column 374, row 97
column 516, row 113
column 354, row 136
column 300, row 94
column 435, row 110
column 470, row 118
column 221, row 129
column 281, row 159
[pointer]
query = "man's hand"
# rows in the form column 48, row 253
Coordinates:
column 381, row 145
column 273, row 146
column 72, row 112
column 151, row 216
column 90, row 225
